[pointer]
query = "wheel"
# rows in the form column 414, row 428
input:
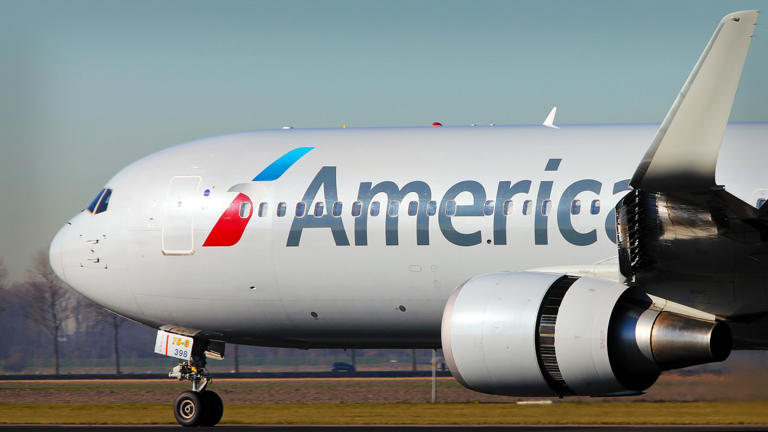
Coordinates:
column 213, row 408
column 189, row 409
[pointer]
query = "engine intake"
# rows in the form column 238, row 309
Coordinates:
column 539, row 334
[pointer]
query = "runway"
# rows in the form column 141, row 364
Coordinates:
column 470, row 428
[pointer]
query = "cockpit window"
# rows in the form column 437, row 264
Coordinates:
column 101, row 202
column 104, row 203
column 92, row 205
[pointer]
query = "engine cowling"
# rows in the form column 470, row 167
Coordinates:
column 540, row 334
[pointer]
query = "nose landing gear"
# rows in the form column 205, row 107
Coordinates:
column 196, row 407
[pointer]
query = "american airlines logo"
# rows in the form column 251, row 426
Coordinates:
column 231, row 225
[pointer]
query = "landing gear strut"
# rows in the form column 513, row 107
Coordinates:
column 196, row 407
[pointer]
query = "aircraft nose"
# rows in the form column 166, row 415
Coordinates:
column 56, row 251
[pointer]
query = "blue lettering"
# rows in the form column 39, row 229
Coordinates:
column 506, row 191
column 564, row 222
column 366, row 194
column 325, row 178
column 474, row 209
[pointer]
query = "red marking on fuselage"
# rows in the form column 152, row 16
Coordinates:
column 230, row 226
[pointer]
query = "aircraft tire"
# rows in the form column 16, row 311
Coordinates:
column 213, row 408
column 189, row 409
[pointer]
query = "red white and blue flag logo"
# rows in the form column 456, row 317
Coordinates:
column 231, row 225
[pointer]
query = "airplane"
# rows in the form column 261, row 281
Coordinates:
column 544, row 261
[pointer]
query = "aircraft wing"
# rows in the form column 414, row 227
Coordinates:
column 683, row 155
column 680, row 235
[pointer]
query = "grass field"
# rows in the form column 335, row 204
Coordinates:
column 704, row 399
column 684, row 413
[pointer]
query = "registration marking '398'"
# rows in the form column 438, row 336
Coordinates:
column 173, row 345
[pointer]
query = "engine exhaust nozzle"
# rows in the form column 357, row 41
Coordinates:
column 678, row 341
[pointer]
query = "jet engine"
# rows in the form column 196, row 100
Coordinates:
column 540, row 334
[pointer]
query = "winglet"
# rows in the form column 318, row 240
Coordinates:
column 683, row 155
column 550, row 120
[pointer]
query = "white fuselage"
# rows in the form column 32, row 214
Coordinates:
column 345, row 281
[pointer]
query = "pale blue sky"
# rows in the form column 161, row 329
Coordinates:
column 86, row 87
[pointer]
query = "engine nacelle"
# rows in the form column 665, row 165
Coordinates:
column 540, row 334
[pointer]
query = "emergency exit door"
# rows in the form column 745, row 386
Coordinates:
column 178, row 216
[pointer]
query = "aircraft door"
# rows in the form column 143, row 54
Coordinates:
column 178, row 216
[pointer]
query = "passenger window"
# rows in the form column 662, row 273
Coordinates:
column 394, row 206
column 92, row 206
column 337, row 209
column 281, row 209
column 760, row 202
column 546, row 206
column 263, row 209
column 488, row 208
column 595, row 207
column 301, row 207
column 357, row 207
column 319, row 207
column 507, row 207
column 575, row 207
column 413, row 208
column 375, row 208
column 431, row 208
column 104, row 203
column 245, row 210
column 527, row 204
column 450, row 208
